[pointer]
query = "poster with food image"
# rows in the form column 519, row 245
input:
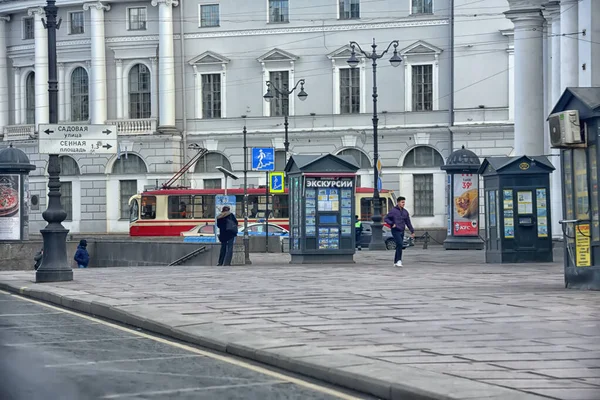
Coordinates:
column 10, row 216
column 466, row 205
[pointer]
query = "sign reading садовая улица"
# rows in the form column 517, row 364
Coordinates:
column 77, row 139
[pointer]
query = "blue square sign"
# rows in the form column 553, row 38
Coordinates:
column 263, row 159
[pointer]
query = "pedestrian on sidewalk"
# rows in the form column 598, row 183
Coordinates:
column 399, row 219
column 228, row 230
column 82, row 257
column 358, row 231
column 38, row 259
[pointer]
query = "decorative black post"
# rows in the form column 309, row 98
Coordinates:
column 55, row 266
column 246, row 237
column 302, row 96
column 377, row 227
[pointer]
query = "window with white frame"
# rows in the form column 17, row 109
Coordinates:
column 137, row 18
column 127, row 188
column 422, row 87
column 80, row 98
column 140, row 102
column 76, row 23
column 422, row 7
column 28, row 28
column 209, row 15
column 279, row 11
column 349, row 9
column 423, row 194
column 280, row 103
column 68, row 167
column 349, row 90
column 30, row 99
column 211, row 95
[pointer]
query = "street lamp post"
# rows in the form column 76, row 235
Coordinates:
column 246, row 237
column 377, row 227
column 302, row 95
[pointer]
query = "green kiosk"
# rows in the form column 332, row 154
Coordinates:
column 517, row 209
column 575, row 129
column 322, row 208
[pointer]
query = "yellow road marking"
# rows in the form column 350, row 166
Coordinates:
column 214, row 356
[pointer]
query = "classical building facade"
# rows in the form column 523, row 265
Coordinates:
column 171, row 73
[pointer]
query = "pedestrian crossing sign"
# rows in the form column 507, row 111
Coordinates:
column 276, row 182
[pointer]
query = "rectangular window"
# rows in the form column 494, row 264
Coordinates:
column 180, row 207
column 28, row 28
column 349, row 9
column 137, row 18
column 211, row 96
column 76, row 23
column 212, row 183
column 422, row 7
column 280, row 102
column 422, row 87
column 279, row 11
column 66, row 199
column 209, row 15
column 126, row 190
column 148, row 207
column 350, row 91
column 423, row 194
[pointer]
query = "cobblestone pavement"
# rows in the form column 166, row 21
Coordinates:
column 447, row 312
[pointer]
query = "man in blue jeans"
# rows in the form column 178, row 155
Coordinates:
column 399, row 219
column 228, row 229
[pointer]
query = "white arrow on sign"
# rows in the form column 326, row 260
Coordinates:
column 77, row 139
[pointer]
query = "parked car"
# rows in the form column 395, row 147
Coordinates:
column 201, row 230
column 390, row 243
column 259, row 229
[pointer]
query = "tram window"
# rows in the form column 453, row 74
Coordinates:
column 203, row 207
column 391, row 204
column 148, row 207
column 134, row 211
column 366, row 208
column 179, row 207
column 253, row 206
column 281, row 207
column 239, row 206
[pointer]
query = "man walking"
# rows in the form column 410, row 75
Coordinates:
column 399, row 219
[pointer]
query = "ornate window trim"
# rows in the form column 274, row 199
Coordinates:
column 421, row 53
column 339, row 60
column 278, row 60
column 205, row 64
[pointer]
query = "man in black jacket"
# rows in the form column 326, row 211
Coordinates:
column 228, row 229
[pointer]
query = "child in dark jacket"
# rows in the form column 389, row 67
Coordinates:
column 82, row 256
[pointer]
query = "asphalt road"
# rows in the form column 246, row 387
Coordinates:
column 49, row 353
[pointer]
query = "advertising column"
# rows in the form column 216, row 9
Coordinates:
column 466, row 205
column 10, row 214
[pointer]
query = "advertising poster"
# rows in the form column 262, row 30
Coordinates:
column 582, row 246
column 10, row 215
column 542, row 213
column 466, row 205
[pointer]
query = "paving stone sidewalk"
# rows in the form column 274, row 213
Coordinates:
column 446, row 326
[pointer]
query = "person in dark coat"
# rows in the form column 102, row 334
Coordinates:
column 228, row 230
column 82, row 257
column 399, row 219
column 38, row 259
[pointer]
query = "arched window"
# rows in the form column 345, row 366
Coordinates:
column 30, row 99
column 68, row 167
column 361, row 158
column 139, row 92
column 423, row 157
column 80, row 89
column 130, row 164
column 210, row 161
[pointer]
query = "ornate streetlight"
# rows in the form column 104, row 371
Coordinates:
column 377, row 227
column 302, row 95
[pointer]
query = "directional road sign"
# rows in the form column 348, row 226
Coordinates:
column 263, row 159
column 77, row 139
column 276, row 182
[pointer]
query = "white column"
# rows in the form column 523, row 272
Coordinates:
column 17, row 94
column 155, row 89
column 62, row 106
column 98, row 99
column 119, row 74
column 42, row 102
column 569, row 47
column 529, row 82
column 166, row 62
column 223, row 90
column 3, row 75
column 511, row 84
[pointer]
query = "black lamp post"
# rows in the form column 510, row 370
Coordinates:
column 55, row 266
column 302, row 95
column 246, row 237
column 377, row 227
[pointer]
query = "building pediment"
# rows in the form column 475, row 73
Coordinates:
column 343, row 52
column 207, row 58
column 421, row 48
column 277, row 55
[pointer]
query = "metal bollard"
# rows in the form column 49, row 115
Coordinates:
column 426, row 241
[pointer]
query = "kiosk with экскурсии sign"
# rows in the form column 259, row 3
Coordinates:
column 322, row 209
column 462, row 201
column 517, row 209
column 574, row 129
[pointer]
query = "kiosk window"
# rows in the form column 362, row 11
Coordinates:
column 582, row 204
column 148, row 207
column 568, row 184
column 594, row 193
